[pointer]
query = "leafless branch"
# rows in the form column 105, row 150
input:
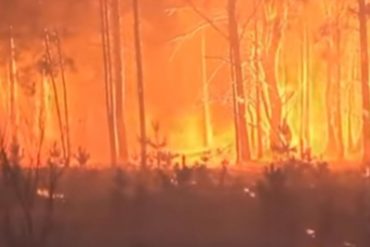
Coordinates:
column 207, row 19
column 249, row 19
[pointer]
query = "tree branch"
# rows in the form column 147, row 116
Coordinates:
column 207, row 19
column 249, row 19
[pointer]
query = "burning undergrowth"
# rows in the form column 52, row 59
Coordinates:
column 292, row 202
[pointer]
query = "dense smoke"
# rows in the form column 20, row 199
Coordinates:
column 172, row 32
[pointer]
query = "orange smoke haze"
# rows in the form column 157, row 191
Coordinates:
column 174, row 76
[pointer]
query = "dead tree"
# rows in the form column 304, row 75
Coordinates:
column 119, row 88
column 13, row 85
column 274, row 23
column 258, row 89
column 207, row 121
column 305, row 91
column 236, row 65
column 140, row 82
column 332, row 31
column 338, row 101
column 113, row 79
column 362, row 16
column 233, row 37
column 108, row 81
column 51, row 73
column 65, row 97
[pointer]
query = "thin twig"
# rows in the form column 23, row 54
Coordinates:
column 207, row 19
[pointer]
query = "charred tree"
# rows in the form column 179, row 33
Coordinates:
column 108, row 81
column 258, row 91
column 274, row 30
column 332, row 145
column 362, row 15
column 140, row 82
column 65, row 99
column 119, row 82
column 350, row 141
column 13, row 85
column 207, row 121
column 243, row 152
column 331, row 32
column 305, row 92
column 114, row 79
column 51, row 74
column 338, row 93
column 243, row 139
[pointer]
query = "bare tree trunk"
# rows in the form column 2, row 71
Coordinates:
column 235, row 114
column 258, row 92
column 338, row 95
column 119, row 83
column 308, row 92
column 105, row 35
column 244, row 149
column 350, row 104
column 305, row 97
column 332, row 140
column 140, row 82
column 350, row 141
column 56, row 94
column 207, row 122
column 13, row 85
column 275, row 100
column 364, row 80
column 65, row 101
column 269, row 64
column 251, row 129
column 41, row 115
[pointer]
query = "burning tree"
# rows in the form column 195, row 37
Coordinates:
column 332, row 33
column 362, row 15
column 233, row 37
column 274, row 23
column 112, row 58
column 140, row 81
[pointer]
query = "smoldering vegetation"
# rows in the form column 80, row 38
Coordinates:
column 292, row 202
column 165, row 201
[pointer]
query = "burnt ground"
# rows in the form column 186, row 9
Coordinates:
column 292, row 206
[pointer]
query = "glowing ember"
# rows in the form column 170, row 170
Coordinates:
column 311, row 233
column 44, row 193
column 348, row 244
column 249, row 192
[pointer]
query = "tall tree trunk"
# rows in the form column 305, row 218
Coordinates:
column 350, row 145
column 55, row 94
column 106, row 48
column 13, row 86
column 235, row 114
column 350, row 104
column 207, row 122
column 244, row 149
column 119, row 82
column 364, row 80
column 305, row 97
column 41, row 116
column 258, row 91
column 270, row 64
column 65, row 101
column 332, row 146
column 140, row 82
column 338, row 95
column 274, row 97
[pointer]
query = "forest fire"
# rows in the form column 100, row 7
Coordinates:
column 184, row 123
column 243, row 79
